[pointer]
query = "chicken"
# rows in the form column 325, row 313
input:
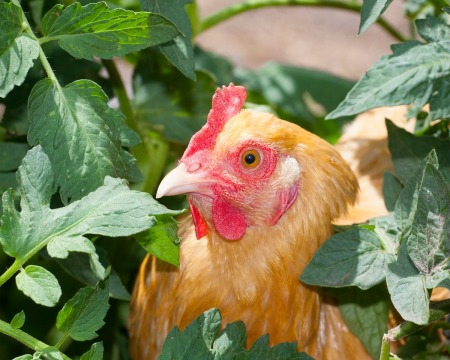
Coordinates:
column 262, row 194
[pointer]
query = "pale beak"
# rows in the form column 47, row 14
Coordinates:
column 181, row 181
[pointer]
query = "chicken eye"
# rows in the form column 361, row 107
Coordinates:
column 250, row 159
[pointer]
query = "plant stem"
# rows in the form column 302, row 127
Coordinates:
column 10, row 271
column 119, row 90
column 235, row 9
column 25, row 338
column 385, row 348
column 45, row 64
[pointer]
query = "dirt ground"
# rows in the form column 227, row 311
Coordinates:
column 320, row 38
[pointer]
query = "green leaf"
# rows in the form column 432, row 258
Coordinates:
column 415, row 73
column 50, row 353
column 366, row 314
column 200, row 340
column 40, row 285
column 83, row 315
column 219, row 67
column 17, row 49
column 428, row 245
column 303, row 96
column 24, row 357
column 355, row 257
column 78, row 265
column 371, row 11
column 111, row 210
column 408, row 152
column 407, row 289
column 169, row 102
column 161, row 240
column 391, row 190
column 11, row 155
column 406, row 204
column 18, row 320
column 60, row 247
column 96, row 30
column 75, row 123
column 94, row 353
column 178, row 51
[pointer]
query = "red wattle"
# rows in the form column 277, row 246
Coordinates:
column 201, row 229
column 228, row 220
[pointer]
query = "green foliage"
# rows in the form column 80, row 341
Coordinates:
column 67, row 198
column 95, row 30
column 370, row 12
column 17, row 49
column 178, row 51
column 83, row 315
column 415, row 73
column 202, row 340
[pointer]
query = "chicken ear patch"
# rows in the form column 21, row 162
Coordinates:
column 285, row 199
column 228, row 220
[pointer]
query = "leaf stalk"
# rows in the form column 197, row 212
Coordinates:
column 238, row 8
column 25, row 338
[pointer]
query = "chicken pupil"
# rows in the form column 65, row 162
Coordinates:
column 250, row 159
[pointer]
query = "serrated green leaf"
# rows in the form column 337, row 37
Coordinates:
column 178, row 51
column 415, row 73
column 83, row 315
column 17, row 50
column 408, row 152
column 75, row 123
column 111, row 210
column 16, row 62
column 371, row 11
column 94, row 353
column 39, row 284
column 428, row 245
column 391, row 190
column 366, row 314
column 407, row 289
column 18, row 320
column 200, row 340
column 60, row 247
column 355, row 257
column 161, row 240
column 169, row 102
column 96, row 30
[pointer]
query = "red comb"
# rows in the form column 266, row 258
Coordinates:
column 226, row 103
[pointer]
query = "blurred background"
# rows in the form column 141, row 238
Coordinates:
column 292, row 36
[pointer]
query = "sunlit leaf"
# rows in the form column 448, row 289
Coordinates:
column 95, row 30
column 17, row 49
column 39, row 284
column 81, row 135
column 415, row 73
